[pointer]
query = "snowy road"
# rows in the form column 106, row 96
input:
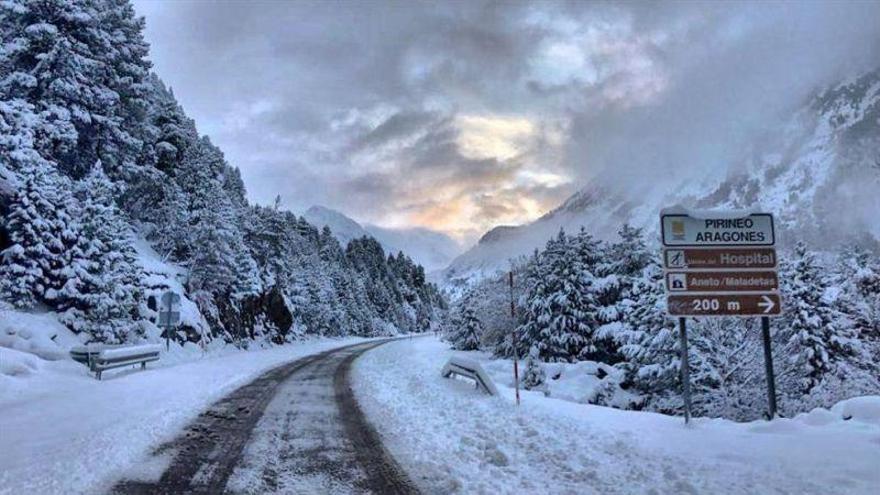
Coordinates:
column 295, row 429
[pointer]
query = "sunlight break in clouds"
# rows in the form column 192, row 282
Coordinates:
column 497, row 137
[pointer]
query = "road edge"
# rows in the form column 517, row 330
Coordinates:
column 385, row 474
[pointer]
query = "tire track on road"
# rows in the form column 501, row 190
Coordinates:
column 295, row 428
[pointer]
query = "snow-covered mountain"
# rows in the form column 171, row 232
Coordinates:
column 819, row 174
column 433, row 250
column 344, row 229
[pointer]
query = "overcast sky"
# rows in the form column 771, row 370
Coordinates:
column 462, row 115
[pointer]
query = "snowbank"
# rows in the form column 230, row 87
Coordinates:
column 452, row 439
column 864, row 409
column 857, row 409
column 15, row 363
column 582, row 382
column 38, row 334
column 62, row 431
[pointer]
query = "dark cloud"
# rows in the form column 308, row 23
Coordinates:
column 399, row 125
column 460, row 115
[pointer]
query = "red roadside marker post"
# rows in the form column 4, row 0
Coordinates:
column 720, row 264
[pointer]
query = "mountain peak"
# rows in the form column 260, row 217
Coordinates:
column 431, row 249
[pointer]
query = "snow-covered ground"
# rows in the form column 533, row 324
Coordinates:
column 452, row 439
column 62, row 431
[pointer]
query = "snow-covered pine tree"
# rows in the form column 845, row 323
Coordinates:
column 726, row 368
column 247, row 282
column 157, row 205
column 153, row 197
column 220, row 263
column 368, row 258
column 170, row 133
column 648, row 340
column 534, row 377
column 629, row 256
column 19, row 125
column 622, row 268
column 559, row 310
column 467, row 330
column 269, row 237
column 819, row 338
column 858, row 274
column 82, row 64
column 125, row 52
column 527, row 273
column 102, row 292
column 40, row 227
column 214, row 257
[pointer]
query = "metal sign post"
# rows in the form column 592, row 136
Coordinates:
column 721, row 264
column 514, row 340
column 768, row 364
column 685, row 369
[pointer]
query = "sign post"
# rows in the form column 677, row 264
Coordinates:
column 768, row 364
column 513, row 338
column 685, row 369
column 721, row 264
column 169, row 314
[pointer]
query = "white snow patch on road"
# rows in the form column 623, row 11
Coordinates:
column 453, row 439
column 62, row 431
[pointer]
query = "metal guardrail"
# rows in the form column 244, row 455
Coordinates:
column 470, row 370
column 100, row 358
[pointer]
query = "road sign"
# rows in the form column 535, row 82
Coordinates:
column 170, row 299
column 767, row 304
column 720, row 281
column 724, row 258
column 169, row 318
column 698, row 262
column 169, row 312
column 720, row 264
column 724, row 230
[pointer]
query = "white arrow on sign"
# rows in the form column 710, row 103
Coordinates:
column 766, row 304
